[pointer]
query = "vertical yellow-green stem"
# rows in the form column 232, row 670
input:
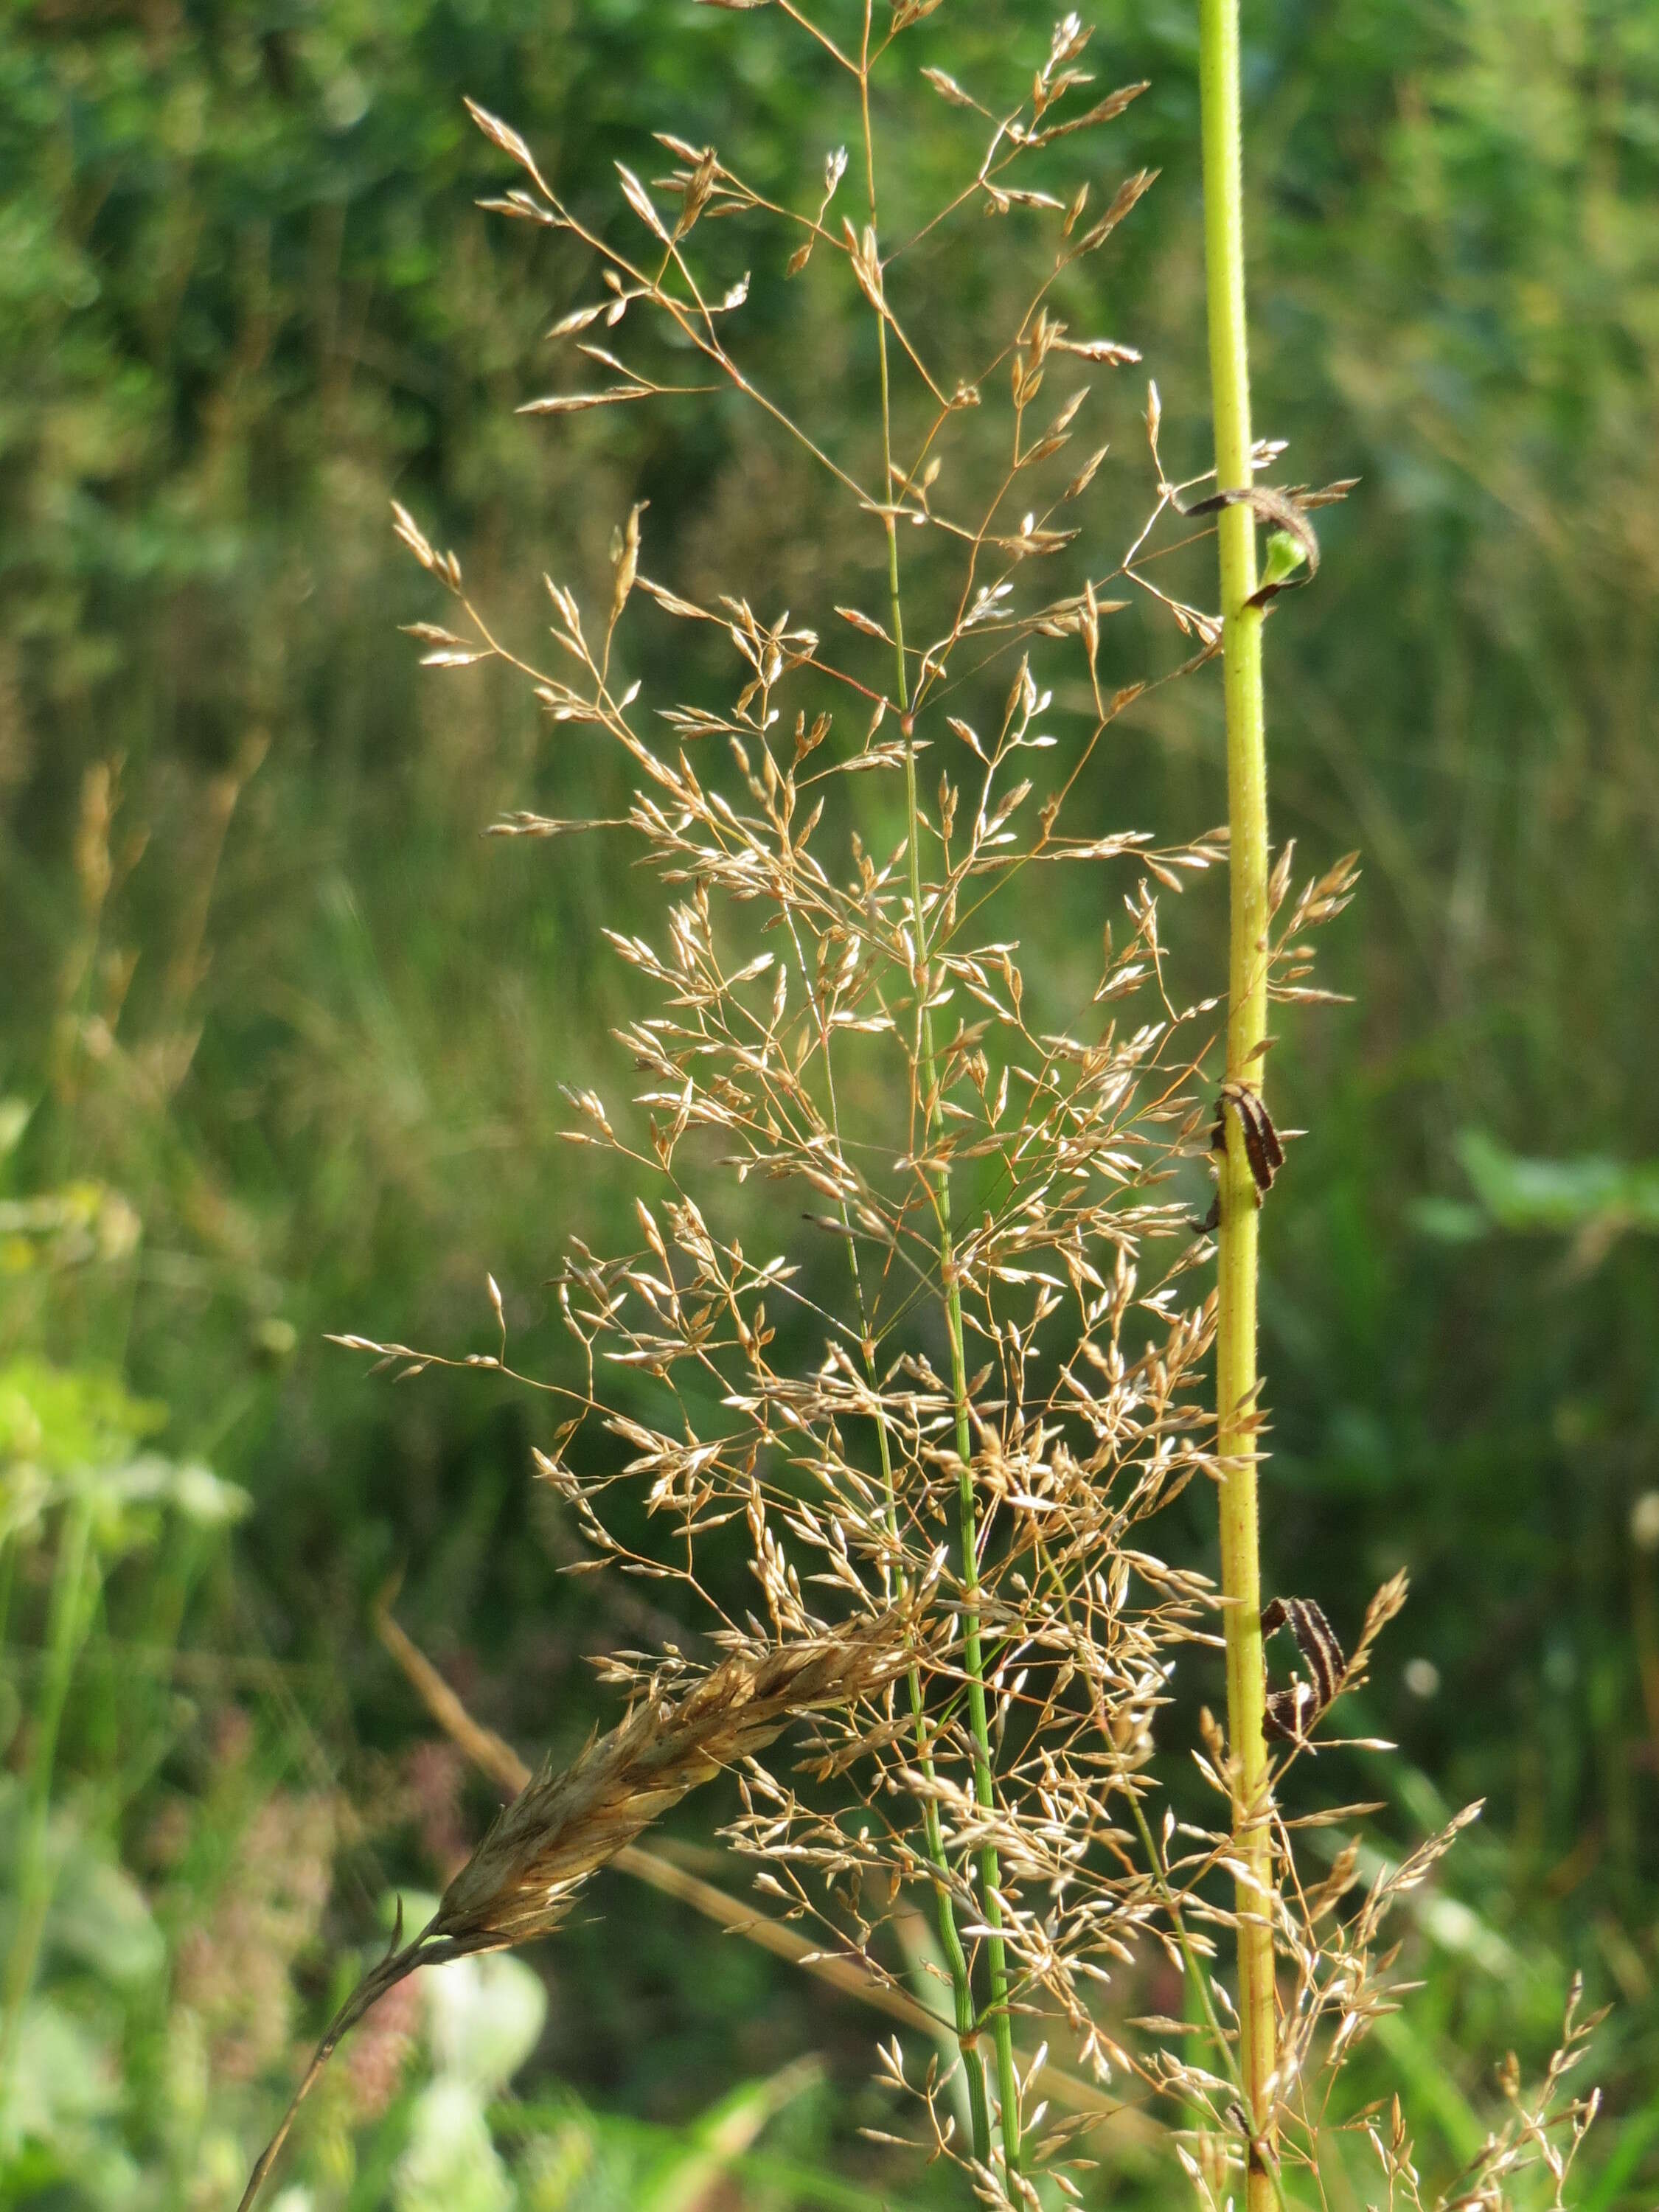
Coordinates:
column 1246, row 1024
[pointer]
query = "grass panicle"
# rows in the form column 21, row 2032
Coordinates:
column 948, row 1393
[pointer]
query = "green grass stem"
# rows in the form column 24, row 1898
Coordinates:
column 972, row 1655
column 1237, row 1377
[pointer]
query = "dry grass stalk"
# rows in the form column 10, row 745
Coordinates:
column 845, row 1971
column 566, row 1823
column 519, row 1882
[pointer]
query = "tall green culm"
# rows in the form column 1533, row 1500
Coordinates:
column 1236, row 1380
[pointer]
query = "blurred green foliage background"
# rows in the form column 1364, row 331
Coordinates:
column 282, row 1036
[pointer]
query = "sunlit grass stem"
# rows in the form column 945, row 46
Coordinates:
column 973, row 1659
column 1236, row 1380
column 956, row 1957
column 963, row 2009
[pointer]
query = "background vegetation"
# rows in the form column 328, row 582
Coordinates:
column 282, row 1036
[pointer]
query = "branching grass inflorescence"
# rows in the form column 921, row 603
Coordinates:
column 949, row 1414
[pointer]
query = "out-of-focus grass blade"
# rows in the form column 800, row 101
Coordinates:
column 802, row 2186
column 1633, row 2137
column 929, row 1985
column 683, row 2179
column 1424, row 2077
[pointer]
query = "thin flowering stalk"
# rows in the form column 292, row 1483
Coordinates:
column 972, row 1655
column 1237, row 1377
column 950, row 1936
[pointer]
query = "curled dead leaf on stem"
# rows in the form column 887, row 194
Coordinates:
column 1287, row 511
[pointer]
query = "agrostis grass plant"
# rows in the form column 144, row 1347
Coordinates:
column 951, row 1413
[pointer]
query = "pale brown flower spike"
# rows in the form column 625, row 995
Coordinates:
column 566, row 1823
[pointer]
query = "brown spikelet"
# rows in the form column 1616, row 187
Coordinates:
column 522, row 1879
